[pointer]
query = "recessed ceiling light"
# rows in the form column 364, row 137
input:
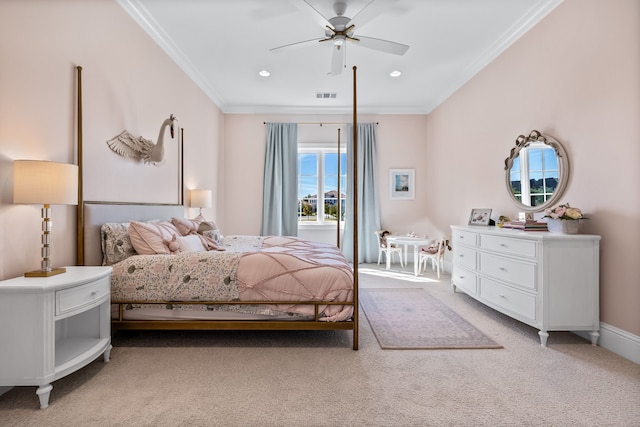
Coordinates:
column 264, row 73
column 395, row 73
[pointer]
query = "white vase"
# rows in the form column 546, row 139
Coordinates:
column 563, row 226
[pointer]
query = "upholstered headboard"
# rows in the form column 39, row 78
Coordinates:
column 98, row 213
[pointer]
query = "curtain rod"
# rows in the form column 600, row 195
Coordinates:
column 319, row 123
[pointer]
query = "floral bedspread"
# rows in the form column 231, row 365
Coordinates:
column 251, row 268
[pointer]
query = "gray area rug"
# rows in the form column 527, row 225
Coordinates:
column 405, row 319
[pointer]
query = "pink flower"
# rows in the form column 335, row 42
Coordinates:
column 564, row 211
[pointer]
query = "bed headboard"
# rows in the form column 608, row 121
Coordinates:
column 98, row 213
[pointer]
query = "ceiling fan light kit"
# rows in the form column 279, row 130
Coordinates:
column 340, row 29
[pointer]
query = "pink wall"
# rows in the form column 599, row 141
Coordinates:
column 401, row 144
column 575, row 77
column 128, row 83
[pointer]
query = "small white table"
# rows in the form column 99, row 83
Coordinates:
column 416, row 242
column 53, row 326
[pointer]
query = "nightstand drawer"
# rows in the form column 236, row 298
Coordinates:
column 71, row 299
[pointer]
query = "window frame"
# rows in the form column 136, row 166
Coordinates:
column 321, row 149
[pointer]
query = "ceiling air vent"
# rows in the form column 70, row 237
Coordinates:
column 326, row 95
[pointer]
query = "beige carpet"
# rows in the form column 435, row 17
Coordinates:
column 409, row 318
column 316, row 379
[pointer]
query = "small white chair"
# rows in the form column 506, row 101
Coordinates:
column 435, row 254
column 387, row 249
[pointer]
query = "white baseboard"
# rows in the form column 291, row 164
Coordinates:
column 618, row 341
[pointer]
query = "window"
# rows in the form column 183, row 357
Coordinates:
column 538, row 162
column 318, row 197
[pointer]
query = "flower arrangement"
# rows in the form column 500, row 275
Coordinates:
column 564, row 211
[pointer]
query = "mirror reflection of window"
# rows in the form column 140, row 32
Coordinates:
column 534, row 174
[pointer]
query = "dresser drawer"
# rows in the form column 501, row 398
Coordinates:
column 464, row 237
column 464, row 256
column 508, row 245
column 72, row 299
column 509, row 270
column 512, row 300
column 464, row 279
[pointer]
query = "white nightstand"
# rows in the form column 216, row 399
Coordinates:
column 53, row 326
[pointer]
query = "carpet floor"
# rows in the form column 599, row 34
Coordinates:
column 290, row 378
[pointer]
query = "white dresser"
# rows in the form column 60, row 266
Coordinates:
column 53, row 326
column 548, row 281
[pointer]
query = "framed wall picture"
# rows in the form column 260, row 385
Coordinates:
column 480, row 217
column 402, row 184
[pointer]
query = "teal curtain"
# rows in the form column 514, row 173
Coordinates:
column 368, row 201
column 279, row 196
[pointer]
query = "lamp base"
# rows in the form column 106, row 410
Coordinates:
column 44, row 273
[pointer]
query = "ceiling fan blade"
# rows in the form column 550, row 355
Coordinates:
column 319, row 17
column 369, row 12
column 293, row 45
column 337, row 60
column 382, row 45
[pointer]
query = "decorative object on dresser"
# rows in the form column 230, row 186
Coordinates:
column 480, row 217
column 548, row 281
column 53, row 326
column 537, row 171
column 45, row 183
column 200, row 199
column 127, row 145
column 564, row 219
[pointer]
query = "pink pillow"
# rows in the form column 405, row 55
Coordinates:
column 186, row 226
column 156, row 238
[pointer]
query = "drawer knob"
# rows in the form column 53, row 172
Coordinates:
column 502, row 244
column 501, row 296
column 94, row 293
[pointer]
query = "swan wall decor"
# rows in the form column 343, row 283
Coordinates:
column 127, row 145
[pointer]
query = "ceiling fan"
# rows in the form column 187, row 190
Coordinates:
column 340, row 29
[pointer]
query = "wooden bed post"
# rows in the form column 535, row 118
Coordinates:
column 80, row 208
column 355, row 213
column 338, row 205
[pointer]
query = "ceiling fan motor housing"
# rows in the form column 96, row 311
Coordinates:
column 339, row 23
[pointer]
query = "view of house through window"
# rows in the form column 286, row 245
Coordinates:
column 318, row 197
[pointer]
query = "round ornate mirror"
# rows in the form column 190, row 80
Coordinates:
column 537, row 171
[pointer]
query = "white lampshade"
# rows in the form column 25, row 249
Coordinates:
column 200, row 198
column 42, row 182
column 45, row 183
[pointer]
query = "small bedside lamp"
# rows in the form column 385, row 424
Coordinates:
column 200, row 199
column 46, row 183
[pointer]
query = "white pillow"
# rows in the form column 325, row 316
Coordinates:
column 191, row 243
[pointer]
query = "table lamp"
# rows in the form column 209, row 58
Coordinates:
column 200, row 199
column 46, row 183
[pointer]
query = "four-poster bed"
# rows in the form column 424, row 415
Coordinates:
column 323, row 294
